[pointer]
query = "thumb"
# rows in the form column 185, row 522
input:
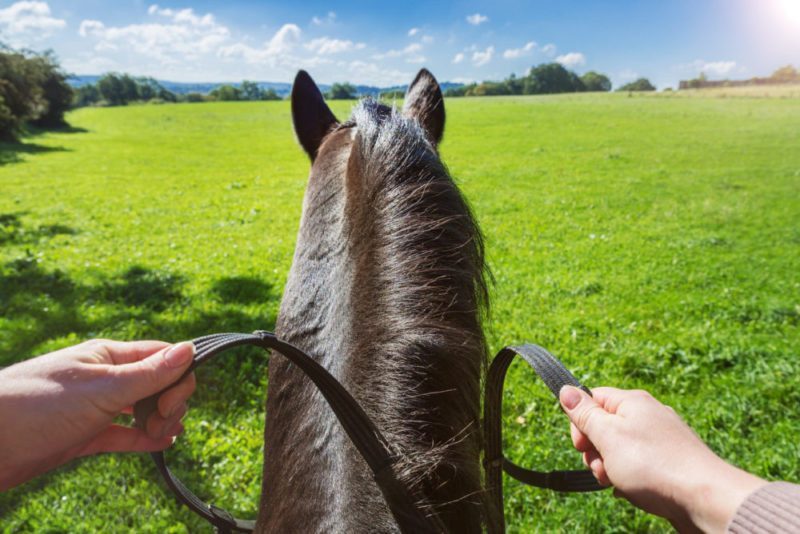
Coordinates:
column 140, row 379
column 584, row 412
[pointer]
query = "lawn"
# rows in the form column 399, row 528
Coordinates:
column 649, row 242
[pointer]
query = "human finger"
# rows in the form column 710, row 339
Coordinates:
column 595, row 463
column 579, row 439
column 158, row 426
column 140, row 379
column 122, row 352
column 174, row 397
column 585, row 413
column 118, row 438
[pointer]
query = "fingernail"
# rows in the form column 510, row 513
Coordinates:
column 179, row 355
column 569, row 397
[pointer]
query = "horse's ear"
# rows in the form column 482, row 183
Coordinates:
column 424, row 102
column 312, row 117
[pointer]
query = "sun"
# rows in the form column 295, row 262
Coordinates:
column 789, row 10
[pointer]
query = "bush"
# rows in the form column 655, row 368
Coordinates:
column 342, row 91
column 594, row 81
column 33, row 88
column 642, row 84
column 193, row 97
column 459, row 91
column 226, row 93
column 86, row 95
column 270, row 94
column 56, row 91
column 550, row 78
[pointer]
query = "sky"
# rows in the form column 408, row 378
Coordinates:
column 386, row 43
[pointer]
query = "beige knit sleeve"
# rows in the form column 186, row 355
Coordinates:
column 771, row 508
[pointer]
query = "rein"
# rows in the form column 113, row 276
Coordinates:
column 374, row 448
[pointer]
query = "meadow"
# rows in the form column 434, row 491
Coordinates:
column 648, row 242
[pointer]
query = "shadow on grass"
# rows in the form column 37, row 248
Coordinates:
column 12, row 231
column 61, row 128
column 45, row 306
column 10, row 152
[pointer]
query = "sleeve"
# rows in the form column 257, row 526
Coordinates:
column 771, row 508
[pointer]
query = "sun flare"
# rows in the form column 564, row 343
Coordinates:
column 789, row 10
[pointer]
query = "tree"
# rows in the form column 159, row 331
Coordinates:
column 33, row 88
column 786, row 74
column 130, row 89
column 642, row 84
column 250, row 91
column 490, row 89
column 56, row 91
column 193, row 97
column 459, row 91
column 226, row 93
column 86, row 95
column 596, row 82
column 550, row 78
column 270, row 94
column 21, row 93
column 342, row 91
column 111, row 89
column 514, row 85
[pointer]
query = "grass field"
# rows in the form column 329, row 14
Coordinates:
column 649, row 242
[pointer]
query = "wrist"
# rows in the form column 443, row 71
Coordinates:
column 711, row 498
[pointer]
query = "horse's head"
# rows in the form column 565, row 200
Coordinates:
column 314, row 121
column 385, row 291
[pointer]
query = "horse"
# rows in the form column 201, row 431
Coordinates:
column 387, row 290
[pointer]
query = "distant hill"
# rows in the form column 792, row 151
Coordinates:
column 281, row 88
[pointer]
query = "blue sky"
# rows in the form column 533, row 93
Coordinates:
column 385, row 43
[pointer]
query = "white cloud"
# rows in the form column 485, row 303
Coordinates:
column 272, row 52
column 25, row 22
column 413, row 31
column 477, row 19
column 549, row 50
column 712, row 68
column 572, row 59
column 182, row 16
column 185, row 35
column 628, row 75
column 412, row 54
column 514, row 53
column 458, row 58
column 371, row 73
column 480, row 58
column 89, row 27
column 330, row 18
column 327, row 45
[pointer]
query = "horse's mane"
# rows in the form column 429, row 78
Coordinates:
column 419, row 297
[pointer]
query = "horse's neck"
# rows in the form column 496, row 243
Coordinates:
column 313, row 476
column 308, row 461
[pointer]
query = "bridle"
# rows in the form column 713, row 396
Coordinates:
column 374, row 448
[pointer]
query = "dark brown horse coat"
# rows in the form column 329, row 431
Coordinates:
column 385, row 291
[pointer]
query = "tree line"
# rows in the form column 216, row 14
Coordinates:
column 547, row 78
column 33, row 89
column 784, row 75
column 113, row 89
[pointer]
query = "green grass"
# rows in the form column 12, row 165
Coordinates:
column 648, row 242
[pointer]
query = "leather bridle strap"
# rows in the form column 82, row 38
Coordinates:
column 362, row 431
column 555, row 375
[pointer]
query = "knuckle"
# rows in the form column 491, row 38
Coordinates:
column 585, row 417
